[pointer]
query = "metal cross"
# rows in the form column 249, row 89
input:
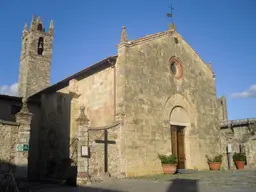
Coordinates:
column 105, row 142
column 170, row 14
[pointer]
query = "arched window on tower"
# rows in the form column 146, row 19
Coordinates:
column 40, row 46
column 40, row 27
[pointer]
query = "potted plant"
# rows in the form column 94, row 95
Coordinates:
column 169, row 163
column 239, row 159
column 214, row 162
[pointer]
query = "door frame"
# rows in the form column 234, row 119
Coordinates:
column 174, row 139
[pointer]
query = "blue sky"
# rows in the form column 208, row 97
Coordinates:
column 222, row 32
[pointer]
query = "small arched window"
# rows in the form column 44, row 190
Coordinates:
column 175, row 67
column 40, row 27
column 40, row 46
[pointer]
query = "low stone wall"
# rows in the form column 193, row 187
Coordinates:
column 8, row 140
column 13, row 133
column 242, row 138
column 96, row 161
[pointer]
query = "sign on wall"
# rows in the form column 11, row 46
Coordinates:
column 22, row 147
column 85, row 151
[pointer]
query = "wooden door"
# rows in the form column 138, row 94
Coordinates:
column 178, row 149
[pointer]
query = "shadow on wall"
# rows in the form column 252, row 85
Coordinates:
column 51, row 136
column 6, row 178
column 5, row 166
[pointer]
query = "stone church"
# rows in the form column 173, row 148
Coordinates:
column 112, row 119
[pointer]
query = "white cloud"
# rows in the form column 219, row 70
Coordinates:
column 249, row 93
column 9, row 90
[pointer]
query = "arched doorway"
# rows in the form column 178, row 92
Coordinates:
column 179, row 120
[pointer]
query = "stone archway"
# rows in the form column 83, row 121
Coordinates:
column 179, row 116
column 179, row 121
column 178, row 112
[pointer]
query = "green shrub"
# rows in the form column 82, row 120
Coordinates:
column 239, row 157
column 216, row 158
column 168, row 159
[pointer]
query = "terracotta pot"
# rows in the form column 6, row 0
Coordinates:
column 169, row 168
column 239, row 164
column 215, row 166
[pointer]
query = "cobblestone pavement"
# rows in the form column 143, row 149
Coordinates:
column 208, row 181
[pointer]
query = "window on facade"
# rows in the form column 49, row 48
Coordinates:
column 173, row 68
column 15, row 109
column 40, row 46
column 40, row 27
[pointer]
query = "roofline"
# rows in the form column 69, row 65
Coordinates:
column 196, row 54
column 85, row 72
column 10, row 97
column 15, row 98
column 238, row 122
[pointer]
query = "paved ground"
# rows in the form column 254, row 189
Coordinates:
column 208, row 181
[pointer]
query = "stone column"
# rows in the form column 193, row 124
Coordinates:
column 83, row 141
column 24, row 118
column 120, row 118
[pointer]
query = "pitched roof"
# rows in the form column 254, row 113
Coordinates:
column 103, row 64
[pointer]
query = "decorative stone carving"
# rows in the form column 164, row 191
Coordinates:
column 24, row 117
column 73, row 88
column 82, row 119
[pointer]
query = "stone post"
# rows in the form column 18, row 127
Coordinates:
column 83, row 141
column 24, row 118
column 120, row 118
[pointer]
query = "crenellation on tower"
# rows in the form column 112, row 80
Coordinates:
column 35, row 58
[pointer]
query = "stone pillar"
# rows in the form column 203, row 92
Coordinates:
column 120, row 118
column 24, row 118
column 83, row 141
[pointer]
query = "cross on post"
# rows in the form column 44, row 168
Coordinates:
column 105, row 142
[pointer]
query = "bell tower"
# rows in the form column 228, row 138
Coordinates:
column 35, row 58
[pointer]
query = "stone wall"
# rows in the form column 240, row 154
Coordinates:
column 10, row 106
column 96, row 163
column 59, row 110
column 8, row 140
column 54, row 131
column 94, row 166
column 237, row 135
column 30, row 80
column 14, row 133
column 149, row 92
column 96, row 93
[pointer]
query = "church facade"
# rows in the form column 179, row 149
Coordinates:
column 156, row 96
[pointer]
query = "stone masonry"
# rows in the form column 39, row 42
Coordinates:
column 139, row 84
column 150, row 93
column 241, row 134
column 13, row 134
column 35, row 59
column 135, row 98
